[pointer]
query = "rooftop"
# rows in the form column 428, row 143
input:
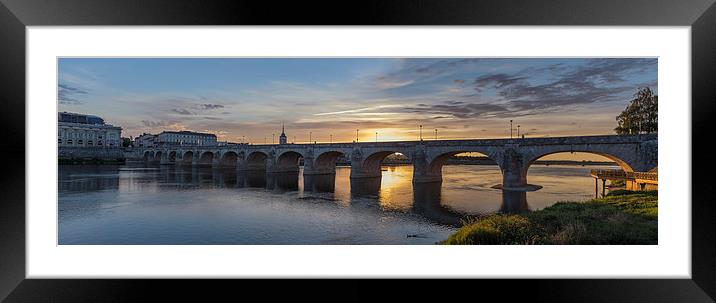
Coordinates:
column 186, row 132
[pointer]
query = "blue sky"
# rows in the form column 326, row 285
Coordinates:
column 251, row 98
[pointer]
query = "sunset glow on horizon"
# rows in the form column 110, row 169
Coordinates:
column 328, row 99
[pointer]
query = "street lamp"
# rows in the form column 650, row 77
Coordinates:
column 310, row 137
column 356, row 135
column 421, row 133
column 264, row 140
column 436, row 134
column 510, row 129
column 376, row 137
column 273, row 138
column 518, row 131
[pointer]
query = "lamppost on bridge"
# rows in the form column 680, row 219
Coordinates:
column 510, row 129
column 436, row 134
column 310, row 137
column 264, row 140
column 376, row 137
column 421, row 133
column 273, row 138
column 331, row 139
column 356, row 135
column 518, row 131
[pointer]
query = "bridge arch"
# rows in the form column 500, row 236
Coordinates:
column 623, row 164
column 256, row 160
column 188, row 157
column 148, row 156
column 229, row 158
column 206, row 158
column 436, row 163
column 172, row 156
column 369, row 166
column 158, row 156
column 324, row 163
column 287, row 161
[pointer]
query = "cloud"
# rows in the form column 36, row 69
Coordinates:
column 182, row 111
column 67, row 94
column 600, row 80
column 371, row 109
column 459, row 109
column 496, row 81
column 207, row 106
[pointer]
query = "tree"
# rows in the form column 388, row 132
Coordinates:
column 126, row 141
column 641, row 115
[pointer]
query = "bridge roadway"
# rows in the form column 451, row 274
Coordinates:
column 634, row 153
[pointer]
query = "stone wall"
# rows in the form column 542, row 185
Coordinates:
column 67, row 153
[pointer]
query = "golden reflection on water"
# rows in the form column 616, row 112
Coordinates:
column 396, row 187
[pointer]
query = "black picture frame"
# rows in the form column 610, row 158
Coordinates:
column 16, row 15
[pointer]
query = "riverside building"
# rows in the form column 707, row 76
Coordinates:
column 79, row 130
column 181, row 138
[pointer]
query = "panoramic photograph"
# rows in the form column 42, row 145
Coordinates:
column 357, row 151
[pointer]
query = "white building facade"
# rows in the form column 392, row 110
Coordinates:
column 174, row 138
column 145, row 140
column 78, row 130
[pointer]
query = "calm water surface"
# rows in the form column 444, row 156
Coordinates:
column 140, row 204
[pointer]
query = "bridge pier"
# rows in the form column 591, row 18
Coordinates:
column 421, row 169
column 179, row 159
column 164, row 158
column 195, row 158
column 514, row 169
column 216, row 160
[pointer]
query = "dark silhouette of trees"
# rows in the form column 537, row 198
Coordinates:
column 641, row 115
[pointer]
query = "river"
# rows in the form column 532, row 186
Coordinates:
column 144, row 204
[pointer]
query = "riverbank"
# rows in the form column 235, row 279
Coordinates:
column 623, row 217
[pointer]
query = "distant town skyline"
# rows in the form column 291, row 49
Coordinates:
column 327, row 99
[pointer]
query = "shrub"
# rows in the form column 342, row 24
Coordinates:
column 622, row 218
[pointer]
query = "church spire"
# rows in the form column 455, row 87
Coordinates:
column 282, row 138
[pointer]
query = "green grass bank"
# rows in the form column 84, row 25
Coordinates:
column 622, row 217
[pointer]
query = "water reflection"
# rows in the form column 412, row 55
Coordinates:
column 320, row 208
column 282, row 182
column 427, row 202
column 319, row 183
column 256, row 179
column 366, row 187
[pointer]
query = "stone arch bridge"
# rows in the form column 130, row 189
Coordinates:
column 513, row 156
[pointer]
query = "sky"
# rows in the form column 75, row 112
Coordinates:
column 249, row 99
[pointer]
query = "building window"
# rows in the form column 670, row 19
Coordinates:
column 59, row 141
column 99, row 142
column 69, row 141
column 99, row 137
column 79, row 142
column 89, row 142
